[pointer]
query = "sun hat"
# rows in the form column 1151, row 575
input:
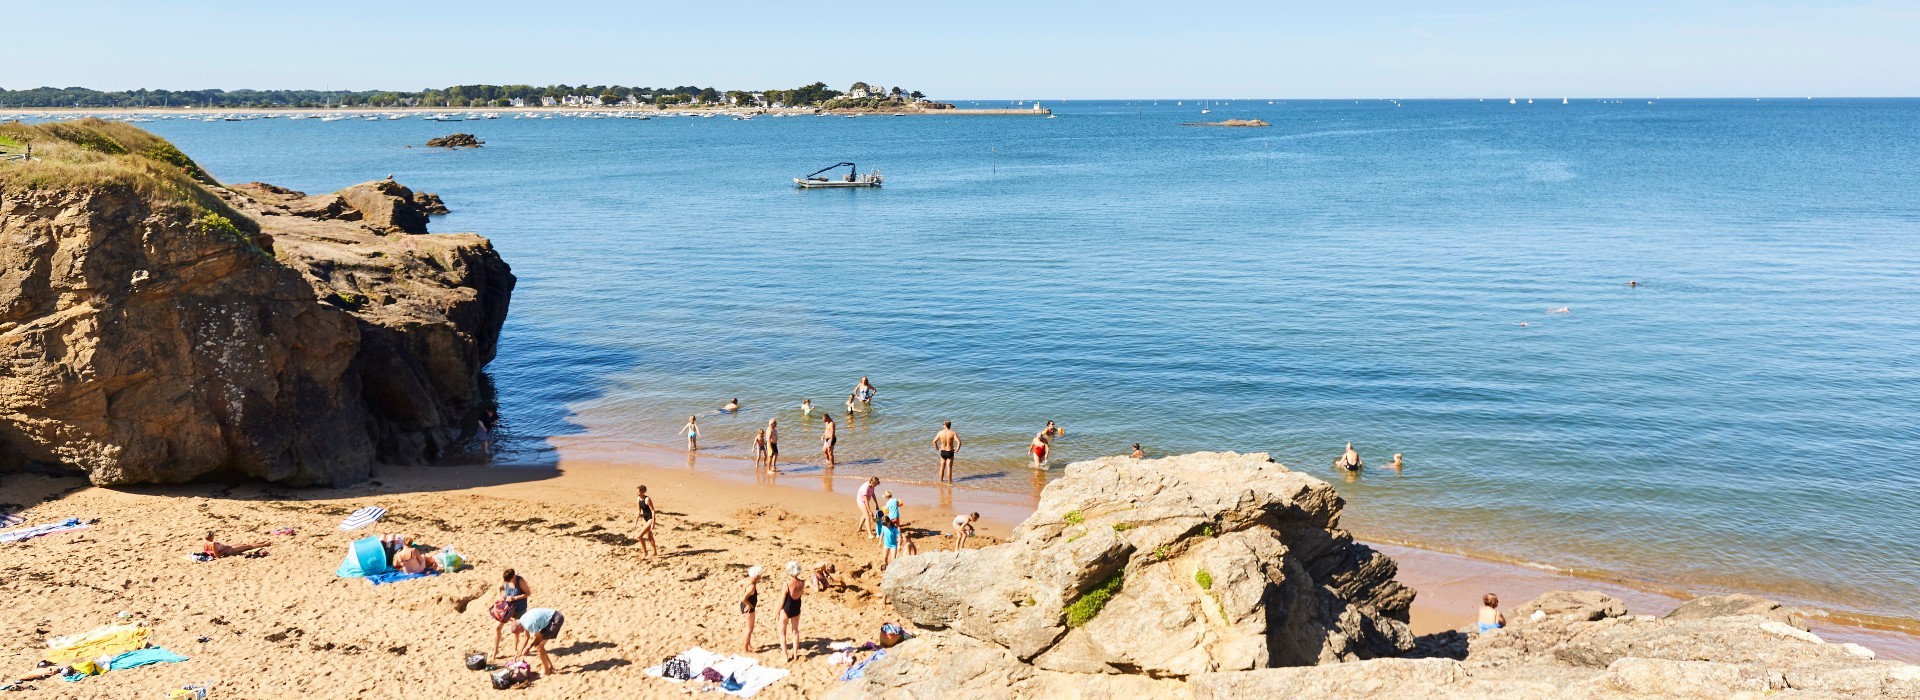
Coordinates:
column 754, row 571
column 793, row 569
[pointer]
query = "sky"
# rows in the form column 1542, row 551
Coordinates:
column 986, row 49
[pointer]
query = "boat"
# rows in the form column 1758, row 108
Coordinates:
column 853, row 178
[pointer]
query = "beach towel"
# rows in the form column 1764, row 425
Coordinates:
column 105, row 640
column 12, row 519
column 859, row 670
column 751, row 676
column 366, row 556
column 697, row 659
column 69, row 525
column 363, row 517
column 143, row 657
column 397, row 576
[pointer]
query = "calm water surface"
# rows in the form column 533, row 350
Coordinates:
column 1359, row 271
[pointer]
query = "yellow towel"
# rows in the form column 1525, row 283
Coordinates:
column 105, row 640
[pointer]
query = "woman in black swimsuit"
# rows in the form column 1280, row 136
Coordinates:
column 790, row 610
column 749, row 603
column 648, row 546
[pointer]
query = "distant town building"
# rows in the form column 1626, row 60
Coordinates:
column 546, row 102
column 518, row 102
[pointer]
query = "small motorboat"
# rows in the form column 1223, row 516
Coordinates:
column 853, row 178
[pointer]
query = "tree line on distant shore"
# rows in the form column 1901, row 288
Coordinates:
column 454, row 96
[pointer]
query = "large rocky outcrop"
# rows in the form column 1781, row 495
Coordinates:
column 1291, row 607
column 156, row 326
column 1206, row 562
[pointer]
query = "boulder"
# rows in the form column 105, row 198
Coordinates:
column 1205, row 562
column 385, row 206
column 1737, row 604
column 455, row 141
column 429, row 203
column 180, row 330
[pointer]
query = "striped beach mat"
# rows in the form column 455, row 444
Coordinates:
column 363, row 517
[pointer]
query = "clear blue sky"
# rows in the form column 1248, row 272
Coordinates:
column 986, row 48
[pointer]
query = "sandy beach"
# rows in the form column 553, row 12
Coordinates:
column 286, row 626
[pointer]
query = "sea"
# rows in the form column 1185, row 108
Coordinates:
column 1668, row 341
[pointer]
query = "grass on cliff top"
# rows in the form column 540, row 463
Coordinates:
column 91, row 152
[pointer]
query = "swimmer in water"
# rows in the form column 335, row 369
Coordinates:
column 1350, row 460
column 1137, row 452
column 731, row 407
column 806, row 407
column 1396, row 462
column 1633, row 283
column 1523, row 324
column 1561, row 310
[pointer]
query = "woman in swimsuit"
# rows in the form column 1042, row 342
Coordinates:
column 865, row 391
column 1039, row 449
column 219, row 549
column 1490, row 617
column 790, row 610
column 749, row 603
column 692, row 430
column 644, row 518
column 514, row 590
column 827, row 438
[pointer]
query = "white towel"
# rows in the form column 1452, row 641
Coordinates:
column 363, row 517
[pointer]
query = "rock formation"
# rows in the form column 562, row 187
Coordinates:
column 1225, row 576
column 1166, row 568
column 159, row 327
column 455, row 141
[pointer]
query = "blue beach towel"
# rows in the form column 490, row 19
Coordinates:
column 398, row 576
column 363, row 517
column 366, row 556
column 144, row 657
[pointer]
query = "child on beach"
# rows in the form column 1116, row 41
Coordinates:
column 868, row 505
column 889, row 520
column 692, row 430
column 827, row 438
column 821, row 576
column 759, row 448
column 963, row 529
column 852, row 404
column 806, row 407
column 1490, row 617
column 644, row 518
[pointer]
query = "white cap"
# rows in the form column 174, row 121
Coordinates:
column 793, row 569
column 754, row 571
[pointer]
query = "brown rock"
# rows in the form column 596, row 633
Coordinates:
column 385, row 206
column 455, row 141
column 159, row 335
column 1737, row 604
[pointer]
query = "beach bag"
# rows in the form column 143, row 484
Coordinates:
column 500, row 610
column 476, row 661
column 514, row 674
column 677, row 669
column 711, row 675
column 891, row 634
column 449, row 560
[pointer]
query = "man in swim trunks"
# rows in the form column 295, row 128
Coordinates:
column 773, row 444
column 948, row 443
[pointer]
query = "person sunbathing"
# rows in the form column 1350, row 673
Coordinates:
column 411, row 561
column 218, row 549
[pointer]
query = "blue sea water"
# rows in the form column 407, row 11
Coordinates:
column 1747, row 419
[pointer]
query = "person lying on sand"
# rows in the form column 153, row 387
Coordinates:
column 411, row 561
column 217, row 549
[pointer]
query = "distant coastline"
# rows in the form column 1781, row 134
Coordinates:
column 621, row 110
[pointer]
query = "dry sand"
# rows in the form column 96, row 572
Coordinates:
column 286, row 626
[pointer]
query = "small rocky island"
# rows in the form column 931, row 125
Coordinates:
column 158, row 326
column 1231, row 122
column 455, row 141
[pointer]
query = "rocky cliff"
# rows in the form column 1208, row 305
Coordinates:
column 157, row 326
column 1219, row 575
